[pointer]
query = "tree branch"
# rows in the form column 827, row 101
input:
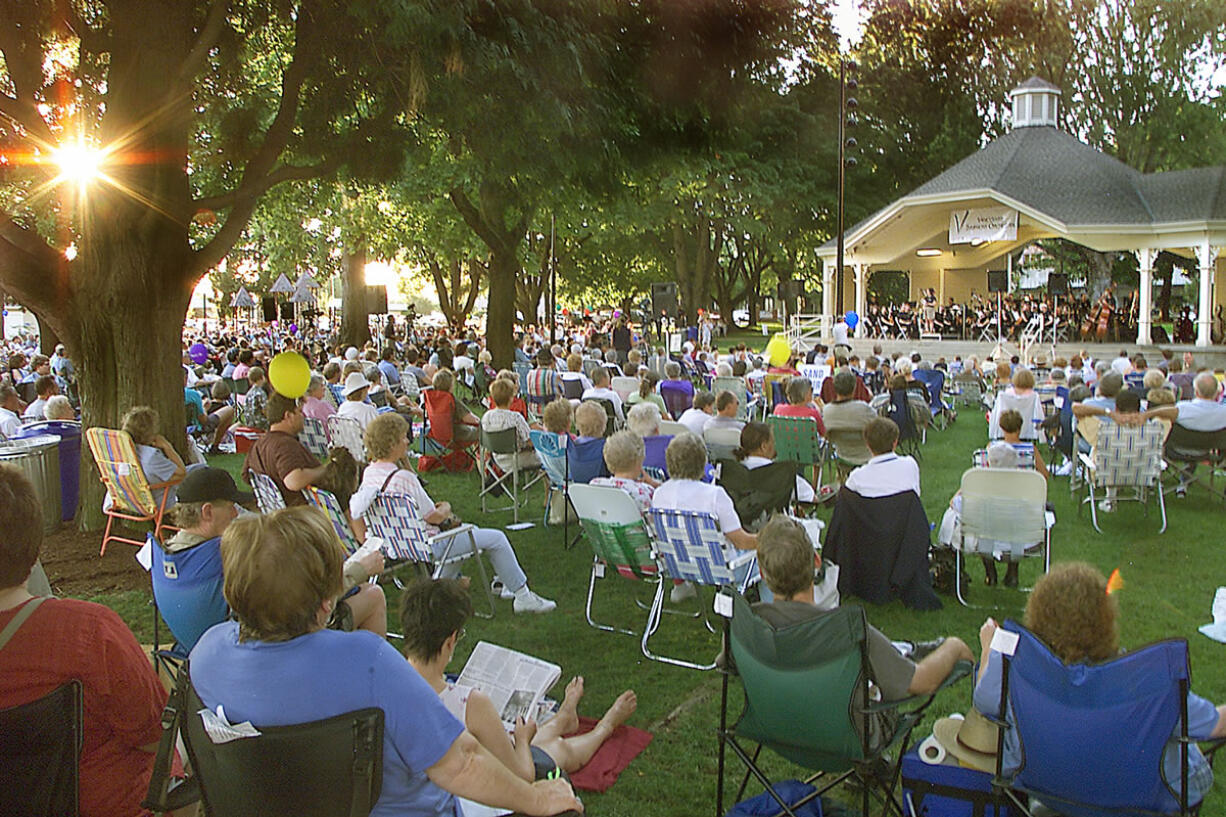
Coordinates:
column 92, row 40
column 26, row 115
column 27, row 264
column 284, row 173
column 209, row 34
column 473, row 218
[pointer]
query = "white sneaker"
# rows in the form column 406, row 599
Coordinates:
column 501, row 590
column 1105, row 506
column 683, row 592
column 530, row 602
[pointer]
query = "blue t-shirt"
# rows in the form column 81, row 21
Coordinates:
column 192, row 398
column 327, row 673
column 1202, row 718
column 390, row 373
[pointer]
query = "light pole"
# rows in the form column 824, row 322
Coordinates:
column 846, row 120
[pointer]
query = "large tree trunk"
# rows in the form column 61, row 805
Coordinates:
column 696, row 248
column 47, row 338
column 456, row 297
column 500, row 317
column 355, row 310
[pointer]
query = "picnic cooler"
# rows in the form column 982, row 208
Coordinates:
column 947, row 790
column 244, row 438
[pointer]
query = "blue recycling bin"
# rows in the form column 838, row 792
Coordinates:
column 70, row 459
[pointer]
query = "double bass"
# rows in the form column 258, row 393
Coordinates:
column 1103, row 320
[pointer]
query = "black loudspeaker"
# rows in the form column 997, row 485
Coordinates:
column 287, row 311
column 1057, row 283
column 664, row 300
column 376, row 299
column 998, row 281
column 269, row 305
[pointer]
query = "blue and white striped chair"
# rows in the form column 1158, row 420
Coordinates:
column 395, row 518
column 315, row 437
column 1126, row 457
column 689, row 545
column 347, row 432
column 267, row 494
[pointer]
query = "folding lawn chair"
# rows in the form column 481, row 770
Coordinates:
column 722, row 443
column 1126, row 457
column 267, row 494
column 41, row 742
column 314, row 436
column 1185, row 449
column 745, row 406
column 900, row 409
column 678, row 396
column 187, row 595
column 132, row 497
column 807, row 698
column 553, row 450
column 347, row 433
column 797, row 439
column 585, row 461
column 395, row 518
column 934, row 379
column 618, row 535
column 450, row 451
column 624, row 386
column 773, row 393
column 541, row 387
column 690, row 546
column 1002, row 507
column 327, row 502
column 1093, row 740
column 494, row 478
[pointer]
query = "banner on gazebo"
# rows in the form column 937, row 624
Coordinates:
column 982, row 224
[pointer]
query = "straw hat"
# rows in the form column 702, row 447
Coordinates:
column 972, row 740
column 356, row 381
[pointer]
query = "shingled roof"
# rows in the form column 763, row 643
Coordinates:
column 1055, row 174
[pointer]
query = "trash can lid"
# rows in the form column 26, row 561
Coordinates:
column 14, row 448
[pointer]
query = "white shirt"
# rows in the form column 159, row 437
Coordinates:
column 1122, row 365
column 358, row 410
column 1199, row 414
column 885, row 475
column 691, row 495
column 10, row 423
column 840, row 333
column 694, row 419
column 613, row 397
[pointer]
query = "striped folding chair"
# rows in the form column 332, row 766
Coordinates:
column 314, row 436
column 347, row 432
column 746, row 404
column 132, row 497
column 327, row 502
column 395, row 518
column 1025, row 456
column 267, row 494
column 689, row 545
column 1126, row 458
column 541, row 387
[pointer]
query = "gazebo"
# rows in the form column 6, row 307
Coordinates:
column 1037, row 182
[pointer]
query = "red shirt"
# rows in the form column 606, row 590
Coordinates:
column 65, row 639
column 789, row 410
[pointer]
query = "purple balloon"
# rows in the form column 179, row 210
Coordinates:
column 293, row 328
column 199, row 353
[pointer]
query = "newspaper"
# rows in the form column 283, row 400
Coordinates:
column 516, row 683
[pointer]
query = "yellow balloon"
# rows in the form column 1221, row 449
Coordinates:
column 289, row 374
column 778, row 351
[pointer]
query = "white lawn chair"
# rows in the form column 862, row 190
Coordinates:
column 1126, row 457
column 624, row 386
column 267, row 494
column 618, row 535
column 347, row 432
column 314, row 436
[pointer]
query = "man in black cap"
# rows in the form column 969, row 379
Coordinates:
column 208, row 503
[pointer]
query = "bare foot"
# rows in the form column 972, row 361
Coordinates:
column 568, row 711
column 620, row 711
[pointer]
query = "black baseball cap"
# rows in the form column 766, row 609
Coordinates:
column 210, row 485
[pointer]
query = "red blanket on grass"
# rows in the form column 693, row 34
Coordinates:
column 611, row 758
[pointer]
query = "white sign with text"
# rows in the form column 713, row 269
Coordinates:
column 984, row 224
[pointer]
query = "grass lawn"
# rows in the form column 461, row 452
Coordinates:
column 1170, row 582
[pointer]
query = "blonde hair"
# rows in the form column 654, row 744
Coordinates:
column 141, row 422
column 686, row 456
column 279, row 568
column 590, row 419
column 557, row 415
column 623, row 451
column 1023, row 378
column 383, row 434
column 443, row 380
column 501, row 392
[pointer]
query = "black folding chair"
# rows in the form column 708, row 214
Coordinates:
column 41, row 745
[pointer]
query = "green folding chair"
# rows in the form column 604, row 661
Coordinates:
column 805, row 690
column 796, row 439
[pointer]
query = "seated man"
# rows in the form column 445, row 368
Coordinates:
column 787, row 561
column 10, row 406
column 886, row 473
column 279, row 643
column 45, row 387
column 847, row 414
column 726, row 407
column 696, row 416
column 600, row 391
column 279, row 454
column 800, row 403
column 434, row 612
column 216, row 421
column 63, row 639
column 1203, row 412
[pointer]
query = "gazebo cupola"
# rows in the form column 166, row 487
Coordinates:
column 1035, row 104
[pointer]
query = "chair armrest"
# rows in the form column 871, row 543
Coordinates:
column 1209, row 747
column 960, row 670
column 456, row 531
column 170, row 483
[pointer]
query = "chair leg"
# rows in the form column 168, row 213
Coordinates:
column 1161, row 508
column 958, row 577
column 1093, row 505
column 587, row 610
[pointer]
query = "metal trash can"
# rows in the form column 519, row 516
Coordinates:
column 69, row 433
column 39, row 459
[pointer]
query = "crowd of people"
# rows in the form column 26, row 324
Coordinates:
column 288, row 611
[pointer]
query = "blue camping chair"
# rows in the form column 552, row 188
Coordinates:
column 554, row 451
column 934, row 379
column 187, row 591
column 653, row 458
column 585, row 460
column 899, row 411
column 1092, row 738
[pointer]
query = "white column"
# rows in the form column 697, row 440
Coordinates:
column 1206, row 255
column 1145, row 257
column 827, row 297
column 860, row 272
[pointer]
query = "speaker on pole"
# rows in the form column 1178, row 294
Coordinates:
column 664, row 299
column 1057, row 283
column 998, row 281
column 268, row 305
column 287, row 311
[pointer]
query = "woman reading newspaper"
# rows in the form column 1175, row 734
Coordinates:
column 433, row 613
